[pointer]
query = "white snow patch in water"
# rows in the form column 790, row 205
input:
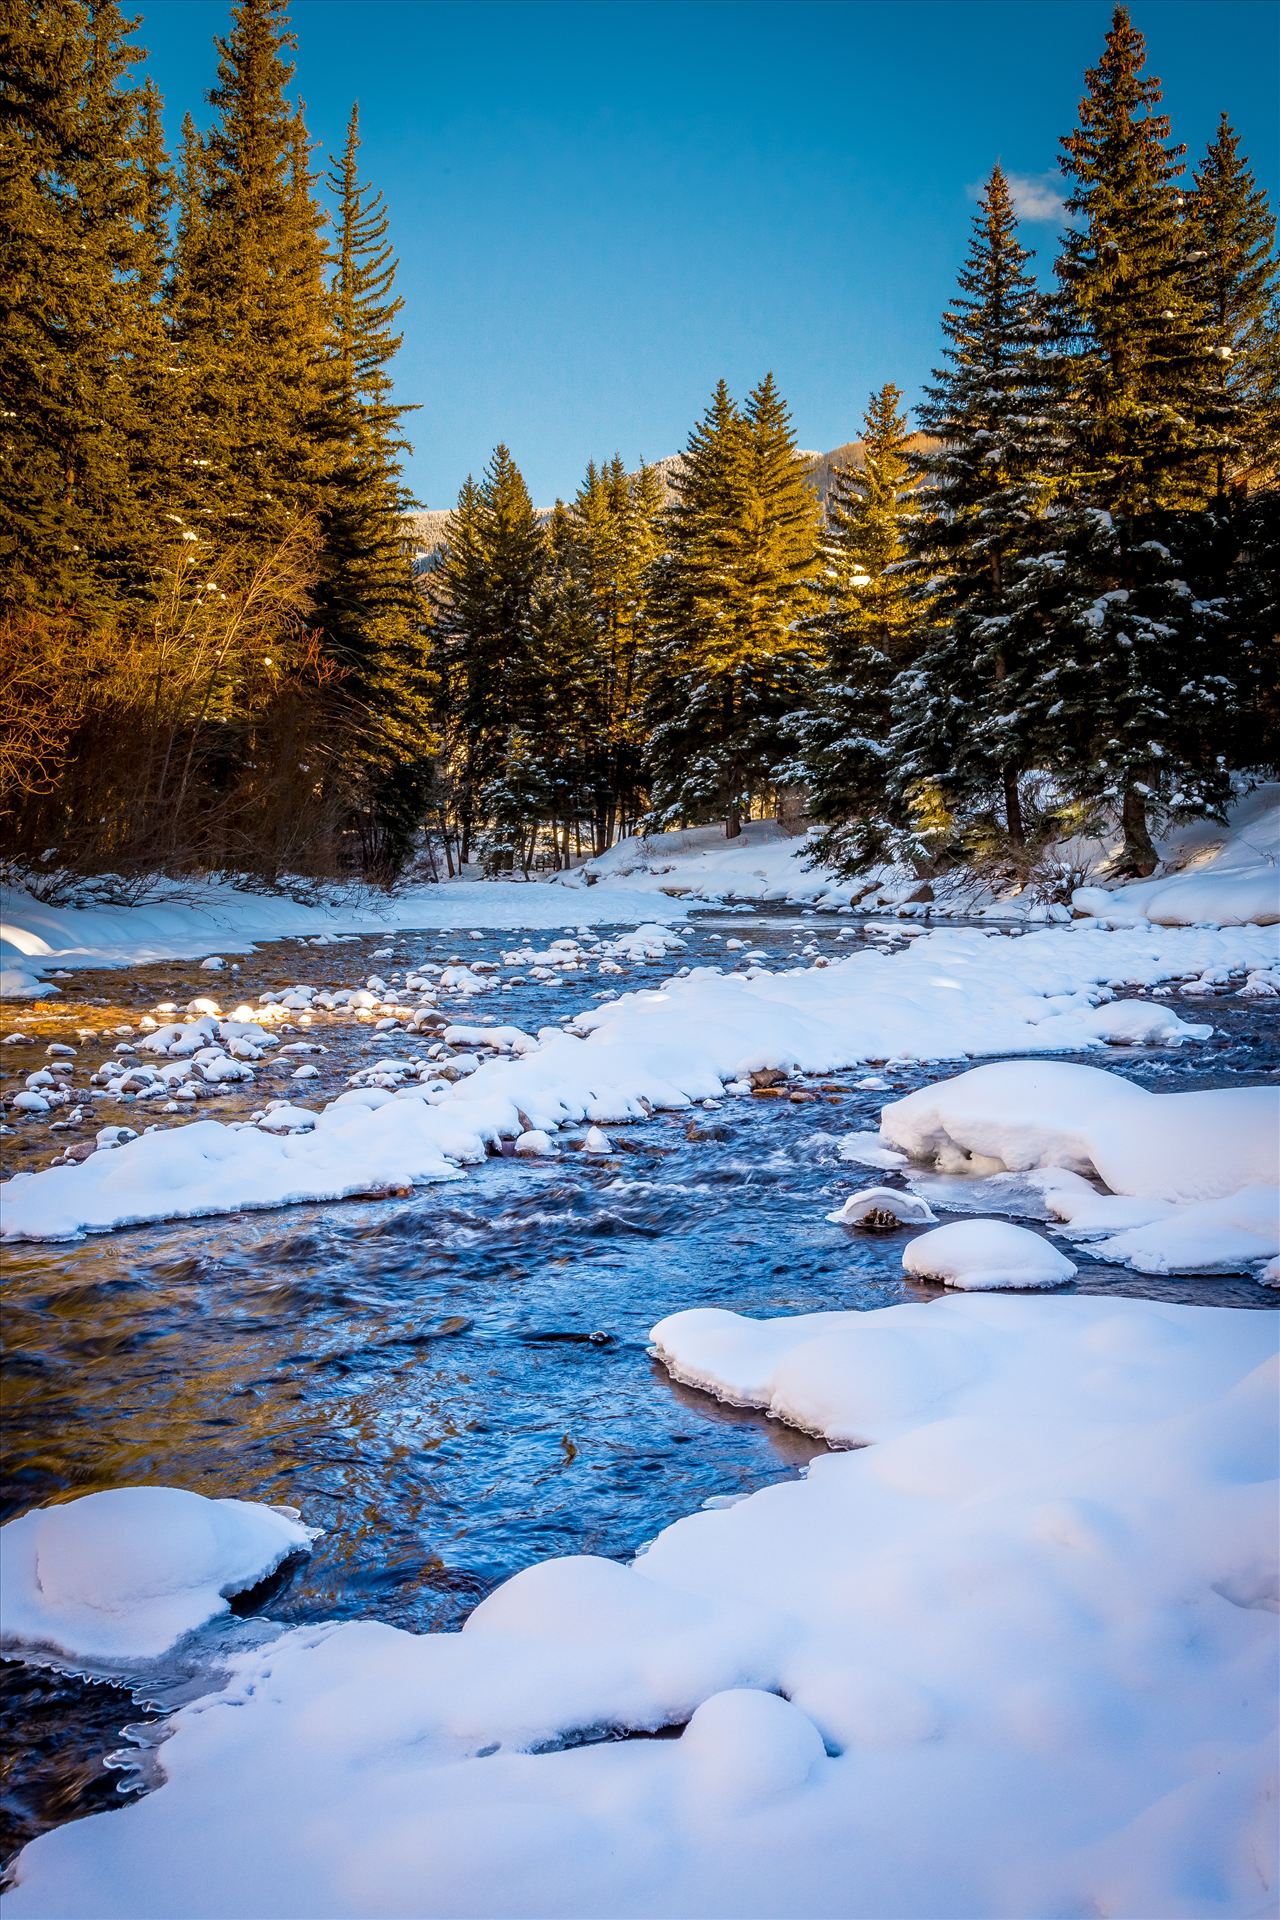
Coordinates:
column 949, row 994
column 985, row 1256
column 124, row 1574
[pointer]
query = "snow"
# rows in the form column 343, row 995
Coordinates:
column 985, row 1255
column 763, row 864
column 124, row 1574
column 1215, row 875
column 953, row 993
column 908, row 1209
column 1014, row 1656
column 1192, row 1177
column 1229, row 877
column 178, row 920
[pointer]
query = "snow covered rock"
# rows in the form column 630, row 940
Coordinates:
column 984, row 1256
column 1136, row 1023
column 743, row 1748
column 286, row 1118
column 123, row 1575
column 883, row 1208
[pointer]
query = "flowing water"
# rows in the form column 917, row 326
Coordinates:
column 457, row 1383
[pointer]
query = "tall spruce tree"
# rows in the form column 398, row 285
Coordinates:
column 1233, row 232
column 151, row 389
column 484, row 594
column 869, row 630
column 251, row 312
column 367, row 601
column 969, row 715
column 734, row 651
column 1144, row 681
column 72, row 256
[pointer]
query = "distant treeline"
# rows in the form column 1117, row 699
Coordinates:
column 1059, row 600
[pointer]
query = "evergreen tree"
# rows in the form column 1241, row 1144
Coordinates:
column 610, row 542
column 250, row 304
column 1233, row 231
column 869, row 628
column 367, row 601
column 71, row 258
column 156, row 437
column 1142, row 675
column 734, row 652
column 484, row 593
column 969, row 713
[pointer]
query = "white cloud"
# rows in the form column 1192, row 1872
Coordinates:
column 1037, row 196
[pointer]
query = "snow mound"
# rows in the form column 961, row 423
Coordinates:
column 884, row 1205
column 980, row 1256
column 123, row 1575
column 1192, row 1176
column 1038, row 1606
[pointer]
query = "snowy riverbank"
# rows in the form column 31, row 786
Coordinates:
column 1212, row 876
column 177, row 920
column 1209, row 874
column 1036, row 1604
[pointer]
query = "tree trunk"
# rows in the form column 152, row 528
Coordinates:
column 1139, row 857
column 1013, row 810
column 733, row 821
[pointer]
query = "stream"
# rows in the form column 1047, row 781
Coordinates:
column 456, row 1383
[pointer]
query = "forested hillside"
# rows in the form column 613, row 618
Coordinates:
column 1050, row 597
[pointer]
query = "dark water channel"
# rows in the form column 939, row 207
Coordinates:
column 455, row 1384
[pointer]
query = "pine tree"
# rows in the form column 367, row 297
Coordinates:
column 71, row 255
column 154, row 422
column 869, row 628
column 969, row 714
column 250, row 304
column 1233, row 232
column 1142, row 680
column 734, row 652
column 367, row 602
column 484, row 593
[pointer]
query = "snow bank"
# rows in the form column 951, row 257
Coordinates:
column 123, row 1575
column 1223, row 876
column 1226, row 877
column 179, row 920
column 763, row 864
column 952, row 993
column 1192, row 1176
column 1015, row 1657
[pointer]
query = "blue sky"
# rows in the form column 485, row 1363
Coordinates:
column 601, row 206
